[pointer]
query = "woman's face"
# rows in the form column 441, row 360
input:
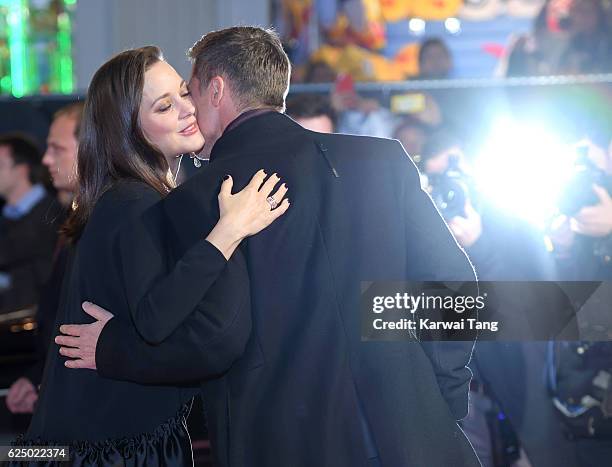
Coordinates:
column 167, row 114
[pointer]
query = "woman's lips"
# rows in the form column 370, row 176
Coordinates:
column 190, row 130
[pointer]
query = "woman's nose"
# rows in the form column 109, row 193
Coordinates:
column 187, row 109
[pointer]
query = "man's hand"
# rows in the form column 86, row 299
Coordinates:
column 466, row 229
column 22, row 396
column 562, row 236
column 80, row 340
column 595, row 221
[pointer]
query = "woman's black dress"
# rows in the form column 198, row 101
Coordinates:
column 104, row 421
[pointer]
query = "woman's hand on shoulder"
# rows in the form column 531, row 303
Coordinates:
column 249, row 211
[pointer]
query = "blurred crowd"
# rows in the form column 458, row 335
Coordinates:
column 567, row 37
column 538, row 404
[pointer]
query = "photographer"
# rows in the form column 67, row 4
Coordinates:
column 581, row 236
column 507, row 382
column 580, row 373
column 501, row 246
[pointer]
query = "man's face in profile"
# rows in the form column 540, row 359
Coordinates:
column 206, row 114
column 61, row 155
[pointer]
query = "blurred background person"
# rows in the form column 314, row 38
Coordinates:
column 509, row 401
column 413, row 134
column 581, row 236
column 580, row 373
column 435, row 60
column 501, row 246
column 62, row 146
column 28, row 224
column 312, row 111
column 60, row 159
column 568, row 37
column 590, row 45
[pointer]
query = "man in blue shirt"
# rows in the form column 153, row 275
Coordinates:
column 28, row 229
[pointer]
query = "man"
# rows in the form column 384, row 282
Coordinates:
column 582, row 244
column 435, row 60
column 60, row 159
column 306, row 391
column 28, row 229
column 312, row 111
column 506, row 374
column 62, row 146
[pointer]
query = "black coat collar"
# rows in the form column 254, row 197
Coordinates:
column 254, row 132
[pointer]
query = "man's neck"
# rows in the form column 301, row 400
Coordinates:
column 239, row 117
column 18, row 193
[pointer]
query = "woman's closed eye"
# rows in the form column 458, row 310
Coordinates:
column 164, row 107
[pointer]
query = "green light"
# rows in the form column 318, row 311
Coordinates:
column 17, row 46
column 37, row 60
column 5, row 84
column 64, row 47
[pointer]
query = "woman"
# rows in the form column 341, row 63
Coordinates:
column 138, row 120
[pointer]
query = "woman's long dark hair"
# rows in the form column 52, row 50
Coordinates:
column 111, row 143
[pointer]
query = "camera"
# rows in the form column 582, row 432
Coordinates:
column 450, row 189
column 579, row 193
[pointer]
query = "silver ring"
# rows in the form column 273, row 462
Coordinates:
column 272, row 202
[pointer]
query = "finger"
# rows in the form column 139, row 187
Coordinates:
column 70, row 352
column 20, row 408
column 257, row 180
column 30, row 402
column 580, row 228
column 21, row 391
column 77, row 364
column 455, row 229
column 280, row 210
column 601, row 193
column 586, row 213
column 460, row 222
column 561, row 222
column 15, row 393
column 97, row 312
column 10, row 406
column 267, row 187
column 68, row 341
column 226, row 186
column 280, row 193
column 12, row 396
column 71, row 329
column 13, row 407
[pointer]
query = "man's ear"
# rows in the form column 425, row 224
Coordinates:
column 24, row 170
column 217, row 87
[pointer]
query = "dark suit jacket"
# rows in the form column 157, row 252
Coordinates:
column 306, row 385
column 26, row 252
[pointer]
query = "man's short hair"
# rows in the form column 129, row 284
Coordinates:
column 75, row 111
column 429, row 43
column 409, row 121
column 251, row 59
column 24, row 151
column 441, row 140
column 310, row 106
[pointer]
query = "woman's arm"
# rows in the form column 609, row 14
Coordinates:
column 159, row 300
column 204, row 345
